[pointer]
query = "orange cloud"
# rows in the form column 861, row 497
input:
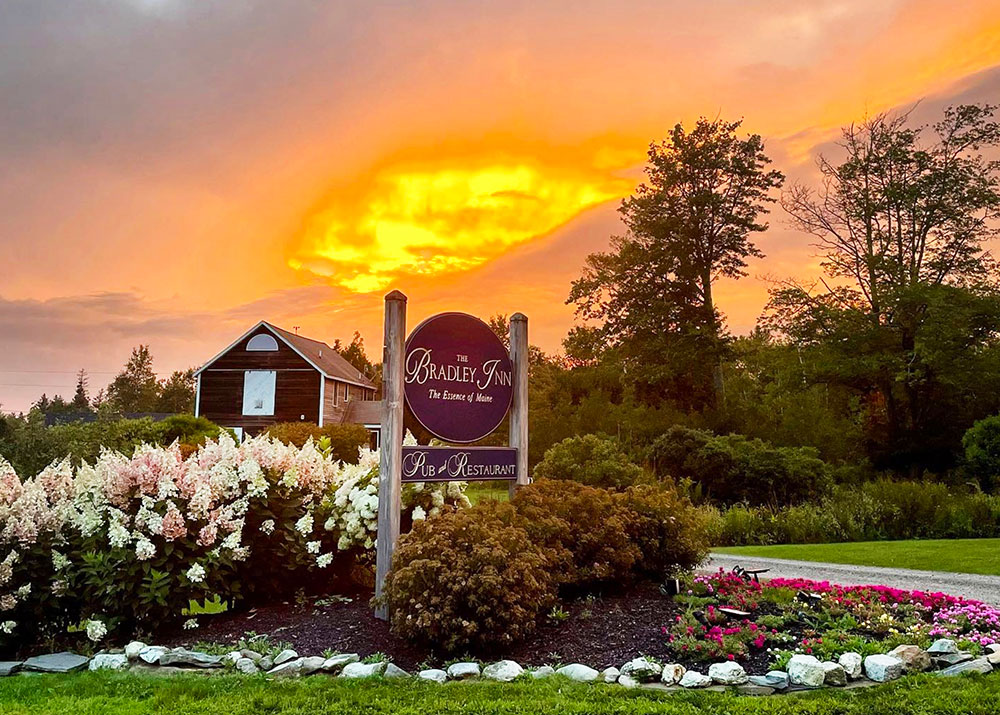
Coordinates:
column 447, row 215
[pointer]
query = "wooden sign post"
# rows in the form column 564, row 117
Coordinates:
column 518, row 437
column 459, row 382
column 390, row 455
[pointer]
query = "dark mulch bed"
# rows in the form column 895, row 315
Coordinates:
column 603, row 631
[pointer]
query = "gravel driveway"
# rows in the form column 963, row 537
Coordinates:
column 980, row 588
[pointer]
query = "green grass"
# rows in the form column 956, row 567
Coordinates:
column 979, row 556
column 480, row 491
column 129, row 694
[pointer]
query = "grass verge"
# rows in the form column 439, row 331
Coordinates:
column 131, row 694
column 978, row 556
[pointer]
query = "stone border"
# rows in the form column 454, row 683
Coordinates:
column 803, row 672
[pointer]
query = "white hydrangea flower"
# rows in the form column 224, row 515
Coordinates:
column 59, row 562
column 305, row 524
column 312, row 547
column 144, row 549
column 96, row 630
column 8, row 627
column 190, row 624
column 196, row 574
column 268, row 526
column 419, row 514
column 324, row 560
column 24, row 591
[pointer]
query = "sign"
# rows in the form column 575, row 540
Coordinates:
column 462, row 464
column 457, row 377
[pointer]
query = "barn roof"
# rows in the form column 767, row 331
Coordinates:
column 317, row 353
column 323, row 357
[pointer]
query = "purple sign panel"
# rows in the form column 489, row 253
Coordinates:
column 457, row 377
column 459, row 464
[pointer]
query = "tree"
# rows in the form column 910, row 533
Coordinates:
column 81, row 399
column 135, row 388
column 355, row 354
column 688, row 225
column 177, row 392
column 910, row 315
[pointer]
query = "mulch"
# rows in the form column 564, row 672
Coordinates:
column 605, row 630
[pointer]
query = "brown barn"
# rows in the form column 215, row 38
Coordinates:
column 269, row 375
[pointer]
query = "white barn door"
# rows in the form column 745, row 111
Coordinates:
column 258, row 392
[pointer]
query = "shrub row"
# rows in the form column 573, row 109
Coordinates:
column 870, row 511
column 481, row 578
column 731, row 469
column 29, row 446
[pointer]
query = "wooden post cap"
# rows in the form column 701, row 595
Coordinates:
column 519, row 317
column 396, row 295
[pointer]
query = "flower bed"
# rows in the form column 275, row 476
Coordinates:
column 789, row 616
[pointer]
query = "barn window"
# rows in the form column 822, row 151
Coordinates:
column 262, row 342
column 258, row 392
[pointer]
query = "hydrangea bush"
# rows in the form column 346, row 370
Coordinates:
column 125, row 541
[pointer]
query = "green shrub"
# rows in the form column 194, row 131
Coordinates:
column 733, row 469
column 584, row 531
column 593, row 460
column 669, row 532
column 468, row 579
column 186, row 429
column 981, row 443
column 344, row 439
column 873, row 511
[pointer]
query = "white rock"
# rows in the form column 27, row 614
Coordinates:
column 694, row 679
column 394, row 671
column 311, row 664
column 289, row 668
column 610, row 675
column 151, row 654
column 579, row 672
column 433, row 674
column 943, row 646
column 777, row 679
column 336, row 663
column 851, row 663
column 642, row 669
column 133, row 649
column 463, row 671
column 835, row 673
column 627, row 681
column 109, row 661
column 544, row 672
column 363, row 670
column 233, row 656
column 805, row 670
column 503, row 671
column 251, row 654
column 882, row 668
column 247, row 666
column 727, row 673
column 285, row 656
column 672, row 673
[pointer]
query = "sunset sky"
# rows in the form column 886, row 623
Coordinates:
column 172, row 171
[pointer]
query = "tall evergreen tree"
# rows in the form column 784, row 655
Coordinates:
column 689, row 224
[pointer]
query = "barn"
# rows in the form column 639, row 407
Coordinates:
column 270, row 375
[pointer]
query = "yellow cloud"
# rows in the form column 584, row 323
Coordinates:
column 444, row 217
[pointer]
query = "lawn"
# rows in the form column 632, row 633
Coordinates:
column 130, row 694
column 481, row 491
column 979, row 556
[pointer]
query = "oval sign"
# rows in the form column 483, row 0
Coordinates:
column 457, row 377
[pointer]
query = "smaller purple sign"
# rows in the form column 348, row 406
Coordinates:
column 459, row 464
